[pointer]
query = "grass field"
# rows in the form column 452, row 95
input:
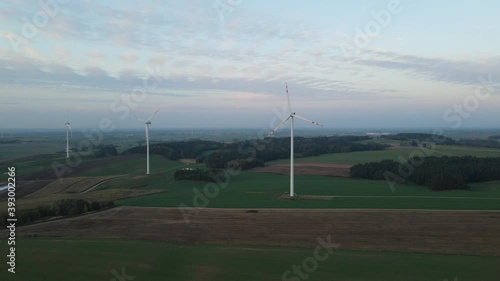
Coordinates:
column 34, row 164
column 100, row 259
column 135, row 166
column 8, row 151
column 394, row 154
column 38, row 259
column 261, row 190
column 99, row 196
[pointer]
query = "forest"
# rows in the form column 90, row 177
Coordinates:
column 437, row 173
column 179, row 149
column 413, row 138
column 208, row 175
column 253, row 153
column 250, row 154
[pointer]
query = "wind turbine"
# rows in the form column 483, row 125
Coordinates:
column 147, row 123
column 291, row 117
column 68, row 129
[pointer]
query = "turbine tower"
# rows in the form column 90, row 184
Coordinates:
column 291, row 117
column 147, row 123
column 68, row 129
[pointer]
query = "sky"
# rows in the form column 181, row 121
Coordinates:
column 224, row 63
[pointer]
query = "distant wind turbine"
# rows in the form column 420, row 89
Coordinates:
column 147, row 123
column 68, row 130
column 291, row 117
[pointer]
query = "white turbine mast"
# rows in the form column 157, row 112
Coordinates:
column 68, row 130
column 147, row 123
column 291, row 117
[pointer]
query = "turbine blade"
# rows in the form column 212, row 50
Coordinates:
column 277, row 127
column 140, row 119
column 288, row 98
column 153, row 115
column 310, row 121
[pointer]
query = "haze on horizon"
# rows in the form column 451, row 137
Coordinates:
column 224, row 63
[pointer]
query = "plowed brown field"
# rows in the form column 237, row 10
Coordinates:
column 453, row 232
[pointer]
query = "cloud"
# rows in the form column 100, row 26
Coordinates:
column 465, row 72
column 96, row 55
column 128, row 57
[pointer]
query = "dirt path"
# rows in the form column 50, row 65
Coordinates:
column 452, row 232
column 99, row 183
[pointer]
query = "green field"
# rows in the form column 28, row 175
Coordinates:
column 45, row 162
column 8, row 151
column 394, row 154
column 89, row 259
column 83, row 260
column 262, row 190
column 135, row 166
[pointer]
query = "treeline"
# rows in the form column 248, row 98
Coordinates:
column 208, row 175
column 220, row 159
column 490, row 143
column 412, row 138
column 178, row 150
column 421, row 137
column 58, row 208
column 438, row 173
column 250, row 154
column 216, row 155
column 494, row 137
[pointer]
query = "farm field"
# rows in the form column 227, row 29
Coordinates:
column 465, row 232
column 70, row 185
column 136, row 166
column 393, row 154
column 377, row 227
column 262, row 190
column 99, row 196
column 17, row 150
column 96, row 259
column 443, row 232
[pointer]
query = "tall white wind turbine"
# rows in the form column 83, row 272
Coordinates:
column 147, row 123
column 291, row 117
column 68, row 130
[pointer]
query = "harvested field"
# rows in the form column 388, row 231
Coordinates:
column 450, row 232
column 100, row 196
column 50, row 174
column 69, row 185
column 24, row 188
column 316, row 169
